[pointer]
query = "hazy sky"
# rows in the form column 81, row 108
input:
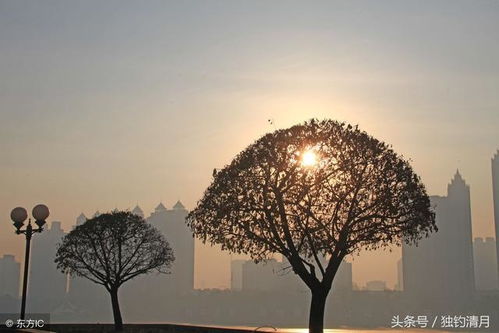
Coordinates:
column 106, row 104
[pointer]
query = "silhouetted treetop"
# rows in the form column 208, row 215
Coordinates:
column 113, row 248
column 357, row 193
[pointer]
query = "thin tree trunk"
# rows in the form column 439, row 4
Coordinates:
column 118, row 321
column 317, row 308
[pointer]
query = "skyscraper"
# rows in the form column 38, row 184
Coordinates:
column 495, row 188
column 440, row 268
column 47, row 285
column 10, row 271
column 158, row 291
column 236, row 274
column 171, row 223
column 484, row 256
column 343, row 278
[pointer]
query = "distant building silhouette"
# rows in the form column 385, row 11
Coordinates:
column 343, row 279
column 10, row 271
column 171, row 223
column 260, row 277
column 157, row 290
column 495, row 187
column 440, row 268
column 138, row 211
column 81, row 219
column 47, row 285
column 236, row 275
column 484, row 252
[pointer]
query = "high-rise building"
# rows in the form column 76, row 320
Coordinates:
column 343, row 278
column 47, row 285
column 171, row 223
column 495, row 187
column 440, row 267
column 156, row 290
column 484, row 255
column 236, row 275
column 10, row 271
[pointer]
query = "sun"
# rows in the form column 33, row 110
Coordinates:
column 309, row 158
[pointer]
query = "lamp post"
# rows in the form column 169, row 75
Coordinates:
column 19, row 215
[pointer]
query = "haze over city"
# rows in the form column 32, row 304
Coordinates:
column 107, row 105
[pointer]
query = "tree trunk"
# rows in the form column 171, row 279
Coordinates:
column 317, row 307
column 118, row 321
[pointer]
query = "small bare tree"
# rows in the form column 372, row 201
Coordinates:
column 313, row 191
column 111, row 249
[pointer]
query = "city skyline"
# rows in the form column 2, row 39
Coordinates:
column 362, row 276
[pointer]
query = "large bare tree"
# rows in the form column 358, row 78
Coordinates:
column 111, row 249
column 322, row 189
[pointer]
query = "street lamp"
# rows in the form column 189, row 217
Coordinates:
column 19, row 215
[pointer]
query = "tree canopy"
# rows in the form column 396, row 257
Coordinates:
column 322, row 189
column 113, row 248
